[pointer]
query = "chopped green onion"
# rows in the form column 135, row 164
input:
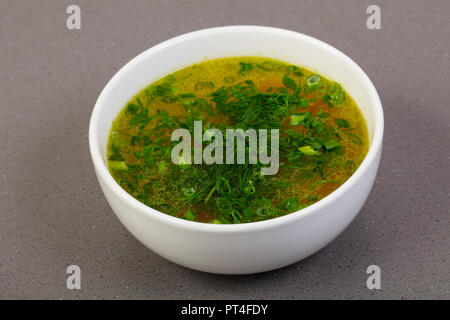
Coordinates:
column 322, row 115
column 220, row 183
column 237, row 217
column 312, row 197
column 118, row 165
column 116, row 140
column 307, row 150
column 289, row 83
column 332, row 144
column 267, row 66
column 162, row 166
column 245, row 67
column 190, row 215
column 249, row 189
column 296, row 119
column 204, row 84
column 210, row 194
column 295, row 70
column 290, row 205
column 303, row 103
column 342, row 123
column 313, row 80
column 188, row 192
column 265, row 211
column 132, row 108
column 248, row 213
column 223, row 204
column 189, row 103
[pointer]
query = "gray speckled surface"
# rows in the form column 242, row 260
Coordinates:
column 52, row 211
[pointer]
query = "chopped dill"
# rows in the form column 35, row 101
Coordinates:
column 302, row 105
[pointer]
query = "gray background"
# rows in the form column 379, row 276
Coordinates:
column 52, row 211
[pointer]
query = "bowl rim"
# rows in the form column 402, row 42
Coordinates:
column 136, row 206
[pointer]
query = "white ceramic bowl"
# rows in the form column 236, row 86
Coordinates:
column 251, row 247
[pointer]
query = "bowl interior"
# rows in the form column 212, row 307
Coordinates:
column 198, row 46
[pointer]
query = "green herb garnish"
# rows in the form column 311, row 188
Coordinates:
column 312, row 143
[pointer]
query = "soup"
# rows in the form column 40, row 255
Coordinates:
column 321, row 140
